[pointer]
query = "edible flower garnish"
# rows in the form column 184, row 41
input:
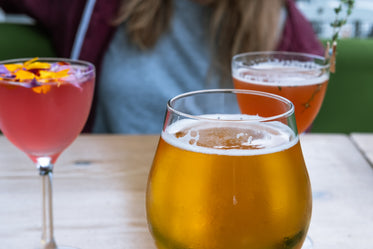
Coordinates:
column 35, row 74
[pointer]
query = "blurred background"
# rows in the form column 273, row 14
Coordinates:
column 348, row 103
column 321, row 13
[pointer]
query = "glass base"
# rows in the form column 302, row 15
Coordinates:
column 307, row 243
column 67, row 247
column 58, row 247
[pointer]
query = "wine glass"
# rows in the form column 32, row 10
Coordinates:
column 229, row 177
column 302, row 78
column 44, row 104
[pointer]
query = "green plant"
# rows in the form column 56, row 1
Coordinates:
column 337, row 25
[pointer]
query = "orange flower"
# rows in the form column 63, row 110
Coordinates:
column 38, row 65
column 48, row 75
column 13, row 67
column 42, row 89
column 30, row 61
column 23, row 75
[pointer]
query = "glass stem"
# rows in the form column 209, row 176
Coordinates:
column 47, row 238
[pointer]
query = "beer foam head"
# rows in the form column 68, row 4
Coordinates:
column 235, row 135
column 292, row 73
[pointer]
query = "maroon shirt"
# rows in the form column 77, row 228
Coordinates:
column 61, row 19
column 298, row 34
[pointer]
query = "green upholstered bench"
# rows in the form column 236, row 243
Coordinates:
column 23, row 40
column 348, row 104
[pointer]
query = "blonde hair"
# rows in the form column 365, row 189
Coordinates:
column 235, row 26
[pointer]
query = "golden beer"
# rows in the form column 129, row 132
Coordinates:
column 228, row 185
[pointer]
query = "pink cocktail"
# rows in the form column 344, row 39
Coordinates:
column 44, row 105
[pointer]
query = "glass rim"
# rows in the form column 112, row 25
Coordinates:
column 89, row 67
column 285, row 114
column 282, row 53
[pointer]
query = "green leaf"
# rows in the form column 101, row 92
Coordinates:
column 338, row 9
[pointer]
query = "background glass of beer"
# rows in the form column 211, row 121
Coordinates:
column 229, row 177
column 301, row 78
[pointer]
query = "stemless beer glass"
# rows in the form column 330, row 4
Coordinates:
column 224, row 176
column 301, row 78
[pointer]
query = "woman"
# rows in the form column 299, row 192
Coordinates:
column 149, row 51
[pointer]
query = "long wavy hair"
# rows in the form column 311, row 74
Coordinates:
column 235, row 26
